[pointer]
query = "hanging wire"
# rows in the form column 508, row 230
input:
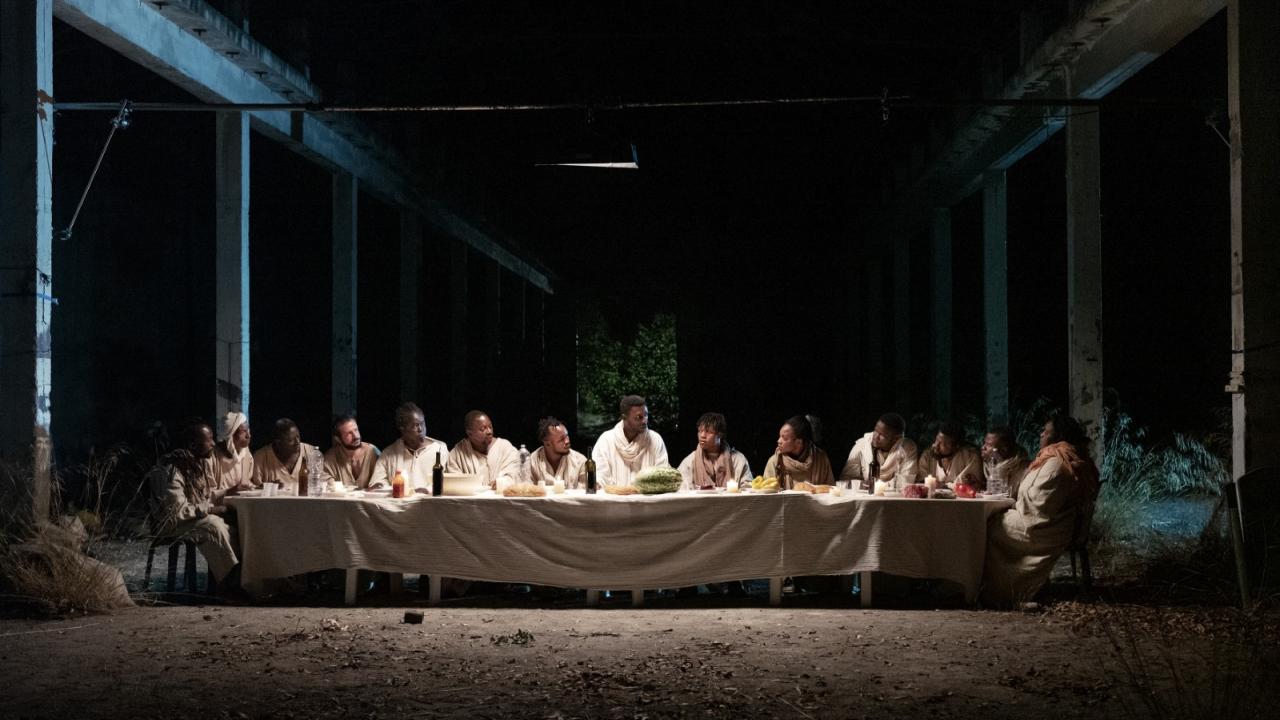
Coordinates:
column 119, row 122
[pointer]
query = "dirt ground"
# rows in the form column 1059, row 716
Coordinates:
column 520, row 657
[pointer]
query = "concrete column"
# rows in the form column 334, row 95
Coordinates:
column 1084, row 271
column 410, row 291
column 1254, row 105
column 26, row 250
column 901, row 318
column 345, row 206
column 231, row 264
column 459, row 321
column 940, row 326
column 995, row 294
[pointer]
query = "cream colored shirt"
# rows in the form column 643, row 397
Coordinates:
column 572, row 470
column 897, row 466
column 268, row 468
column 416, row 464
column 338, row 464
column 501, row 461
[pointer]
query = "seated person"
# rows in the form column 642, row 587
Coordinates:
column 628, row 447
column 350, row 460
column 714, row 462
column 413, row 454
column 286, row 457
column 798, row 457
column 1003, row 460
column 556, row 460
column 480, row 453
column 183, row 485
column 950, row 459
column 233, row 460
column 1054, row 500
column 895, row 454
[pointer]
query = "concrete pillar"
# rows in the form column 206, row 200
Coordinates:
column 995, row 294
column 231, row 263
column 940, row 326
column 410, row 291
column 901, row 318
column 345, row 206
column 459, row 321
column 1084, row 271
column 26, row 251
column 1254, row 104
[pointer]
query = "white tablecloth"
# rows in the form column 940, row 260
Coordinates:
column 604, row 541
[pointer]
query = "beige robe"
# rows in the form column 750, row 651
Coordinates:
column 234, row 469
column 572, row 470
column 416, row 465
column 618, row 461
column 818, row 471
column 897, row 466
column 501, row 461
column 964, row 461
column 268, row 468
column 741, row 469
column 181, row 509
column 1025, row 541
column 338, row 465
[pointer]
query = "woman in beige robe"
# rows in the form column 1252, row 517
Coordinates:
column 798, row 457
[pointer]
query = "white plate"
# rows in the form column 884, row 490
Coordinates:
column 248, row 493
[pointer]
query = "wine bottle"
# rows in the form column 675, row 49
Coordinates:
column 437, row 478
column 591, row 476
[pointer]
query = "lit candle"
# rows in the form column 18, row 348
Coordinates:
column 731, row 486
column 837, row 490
column 558, row 485
column 881, row 486
column 931, row 482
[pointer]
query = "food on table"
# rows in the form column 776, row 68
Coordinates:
column 524, row 490
column 764, row 483
column 620, row 489
column 944, row 494
column 965, row 490
column 658, row 480
column 811, row 488
column 915, row 490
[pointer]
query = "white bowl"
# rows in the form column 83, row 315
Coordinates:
column 461, row 484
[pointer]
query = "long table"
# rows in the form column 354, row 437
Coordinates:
column 617, row 542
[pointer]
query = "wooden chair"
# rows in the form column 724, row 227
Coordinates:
column 1079, row 548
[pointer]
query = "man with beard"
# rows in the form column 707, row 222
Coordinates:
column 628, row 447
column 480, row 453
column 895, row 454
column 950, row 459
column 1004, row 461
column 232, row 458
column 413, row 454
column 556, row 460
column 350, row 460
column 183, row 484
column 285, row 458
column 713, row 462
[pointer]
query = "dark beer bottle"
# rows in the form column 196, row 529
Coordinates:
column 437, row 478
column 873, row 474
column 591, row 476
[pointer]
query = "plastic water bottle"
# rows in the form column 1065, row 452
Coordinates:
column 315, row 465
column 524, row 464
column 995, row 482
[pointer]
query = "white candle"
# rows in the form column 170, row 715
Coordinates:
column 837, row 490
column 731, row 486
column 558, row 486
column 881, row 486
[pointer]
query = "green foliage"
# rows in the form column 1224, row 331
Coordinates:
column 609, row 368
column 1147, row 470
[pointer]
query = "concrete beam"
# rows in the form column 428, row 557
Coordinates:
column 214, row 71
column 26, row 251
column 1254, row 105
column 410, row 291
column 940, row 335
column 345, row 274
column 1084, row 271
column 995, row 294
column 231, row 263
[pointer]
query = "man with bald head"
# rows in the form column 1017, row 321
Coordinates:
column 482, row 453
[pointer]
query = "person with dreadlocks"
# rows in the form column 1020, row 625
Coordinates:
column 184, row 485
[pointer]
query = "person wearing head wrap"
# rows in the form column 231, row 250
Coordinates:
column 233, row 462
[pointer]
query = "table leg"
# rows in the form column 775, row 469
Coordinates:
column 864, row 588
column 353, row 575
column 395, row 586
column 775, row 591
column 593, row 598
column 433, row 590
column 637, row 598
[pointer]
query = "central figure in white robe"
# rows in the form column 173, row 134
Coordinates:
column 494, row 459
column 630, row 446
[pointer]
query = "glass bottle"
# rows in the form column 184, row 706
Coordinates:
column 437, row 478
column 591, row 476
column 397, row 485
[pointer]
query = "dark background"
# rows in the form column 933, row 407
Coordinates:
column 750, row 224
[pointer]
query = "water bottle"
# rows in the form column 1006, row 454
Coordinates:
column 315, row 463
column 524, row 464
column 995, row 483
